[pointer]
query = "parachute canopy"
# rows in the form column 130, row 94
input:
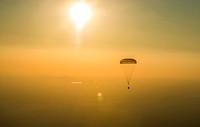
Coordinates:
column 128, row 61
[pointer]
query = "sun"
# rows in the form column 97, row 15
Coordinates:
column 80, row 13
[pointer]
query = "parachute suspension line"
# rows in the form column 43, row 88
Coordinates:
column 128, row 72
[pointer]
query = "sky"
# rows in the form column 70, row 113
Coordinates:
column 38, row 38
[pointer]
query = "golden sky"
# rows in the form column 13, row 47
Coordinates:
column 39, row 38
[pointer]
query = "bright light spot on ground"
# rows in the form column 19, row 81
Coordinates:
column 77, row 82
column 99, row 95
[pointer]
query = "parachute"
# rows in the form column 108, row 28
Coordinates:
column 128, row 66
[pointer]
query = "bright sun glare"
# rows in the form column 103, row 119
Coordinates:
column 80, row 13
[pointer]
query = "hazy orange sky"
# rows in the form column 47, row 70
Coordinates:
column 38, row 38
